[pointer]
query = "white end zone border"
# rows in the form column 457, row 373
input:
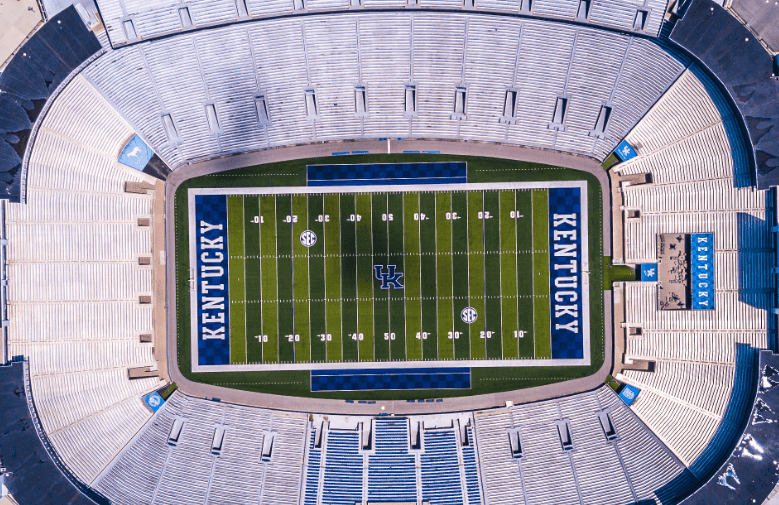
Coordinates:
column 486, row 363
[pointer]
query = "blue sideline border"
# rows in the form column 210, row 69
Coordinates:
column 390, row 379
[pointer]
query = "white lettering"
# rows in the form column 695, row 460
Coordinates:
column 560, row 219
column 567, row 266
column 206, row 227
column 218, row 257
column 566, row 282
column 569, row 234
column 213, row 303
column 573, row 326
column 565, row 250
column 217, row 334
column 211, row 271
column 217, row 243
column 570, row 310
column 220, row 318
column 558, row 297
column 205, row 287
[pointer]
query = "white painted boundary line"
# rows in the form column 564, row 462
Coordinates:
column 405, row 188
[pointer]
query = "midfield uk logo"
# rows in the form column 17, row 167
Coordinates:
column 391, row 279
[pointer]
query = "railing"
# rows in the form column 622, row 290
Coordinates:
column 4, row 358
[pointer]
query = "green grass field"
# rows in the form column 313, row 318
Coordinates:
column 486, row 249
column 325, row 262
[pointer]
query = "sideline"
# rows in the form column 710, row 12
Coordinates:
column 400, row 407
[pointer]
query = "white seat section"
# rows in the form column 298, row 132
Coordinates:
column 683, row 428
column 224, row 70
column 488, row 40
column 542, row 450
column 594, row 456
column 327, row 4
column 717, row 195
column 703, row 385
column 541, row 72
column 152, row 471
column 690, row 145
column 131, row 20
column 133, row 93
column 75, row 281
column 79, row 355
column 732, row 311
column 648, row 463
column 82, row 321
column 328, row 56
column 646, row 74
column 500, row 473
column 86, row 240
column 280, row 64
column 631, row 468
column 701, row 346
column 733, row 231
column 87, row 446
column 332, row 50
column 385, row 65
column 689, row 106
column 437, row 65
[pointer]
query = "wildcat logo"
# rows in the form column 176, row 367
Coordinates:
column 391, row 279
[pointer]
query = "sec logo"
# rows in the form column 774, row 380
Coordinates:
column 308, row 238
column 469, row 315
column 154, row 401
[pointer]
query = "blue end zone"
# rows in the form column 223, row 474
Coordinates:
column 565, row 277
column 390, row 379
column 387, row 173
column 213, row 299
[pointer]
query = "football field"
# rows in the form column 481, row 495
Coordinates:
column 448, row 272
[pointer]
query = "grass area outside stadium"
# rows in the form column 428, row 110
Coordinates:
column 484, row 380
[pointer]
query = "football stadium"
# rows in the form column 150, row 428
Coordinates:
column 372, row 252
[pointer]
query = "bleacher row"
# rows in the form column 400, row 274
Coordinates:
column 256, row 77
column 346, row 466
column 128, row 21
column 612, row 458
column 152, row 469
column 74, row 282
column 690, row 144
column 632, row 467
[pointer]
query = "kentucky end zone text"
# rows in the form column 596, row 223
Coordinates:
column 491, row 274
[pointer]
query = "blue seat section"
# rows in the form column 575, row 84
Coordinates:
column 390, row 379
column 387, row 173
column 441, row 484
column 471, row 474
column 343, row 469
column 391, row 472
column 312, row 474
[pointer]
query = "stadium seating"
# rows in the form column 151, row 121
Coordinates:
column 343, row 470
column 74, row 282
column 129, row 21
column 153, row 470
column 74, row 278
column 279, row 59
column 700, row 183
column 628, row 469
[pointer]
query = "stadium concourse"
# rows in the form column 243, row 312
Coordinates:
column 103, row 105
